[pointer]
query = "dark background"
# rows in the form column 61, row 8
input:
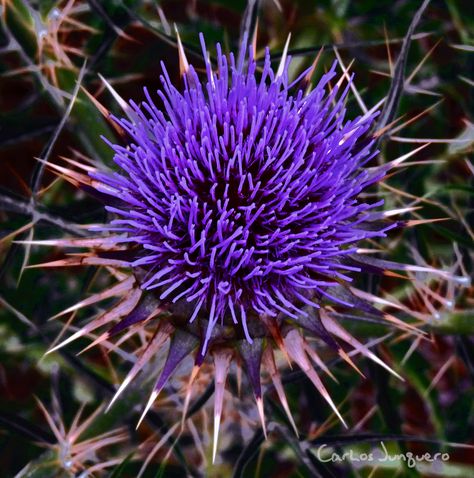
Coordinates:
column 43, row 45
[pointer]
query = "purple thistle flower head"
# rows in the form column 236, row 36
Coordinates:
column 241, row 194
column 239, row 210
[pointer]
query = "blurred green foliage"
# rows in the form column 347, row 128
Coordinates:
column 43, row 47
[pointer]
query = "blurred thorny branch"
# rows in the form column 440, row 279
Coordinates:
column 62, row 68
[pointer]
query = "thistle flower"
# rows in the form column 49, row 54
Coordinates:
column 239, row 210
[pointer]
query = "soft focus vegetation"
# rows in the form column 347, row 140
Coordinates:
column 51, row 55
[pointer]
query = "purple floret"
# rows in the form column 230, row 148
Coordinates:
column 242, row 194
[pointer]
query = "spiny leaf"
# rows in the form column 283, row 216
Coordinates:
column 398, row 82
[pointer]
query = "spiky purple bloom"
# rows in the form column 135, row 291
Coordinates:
column 242, row 193
column 239, row 212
